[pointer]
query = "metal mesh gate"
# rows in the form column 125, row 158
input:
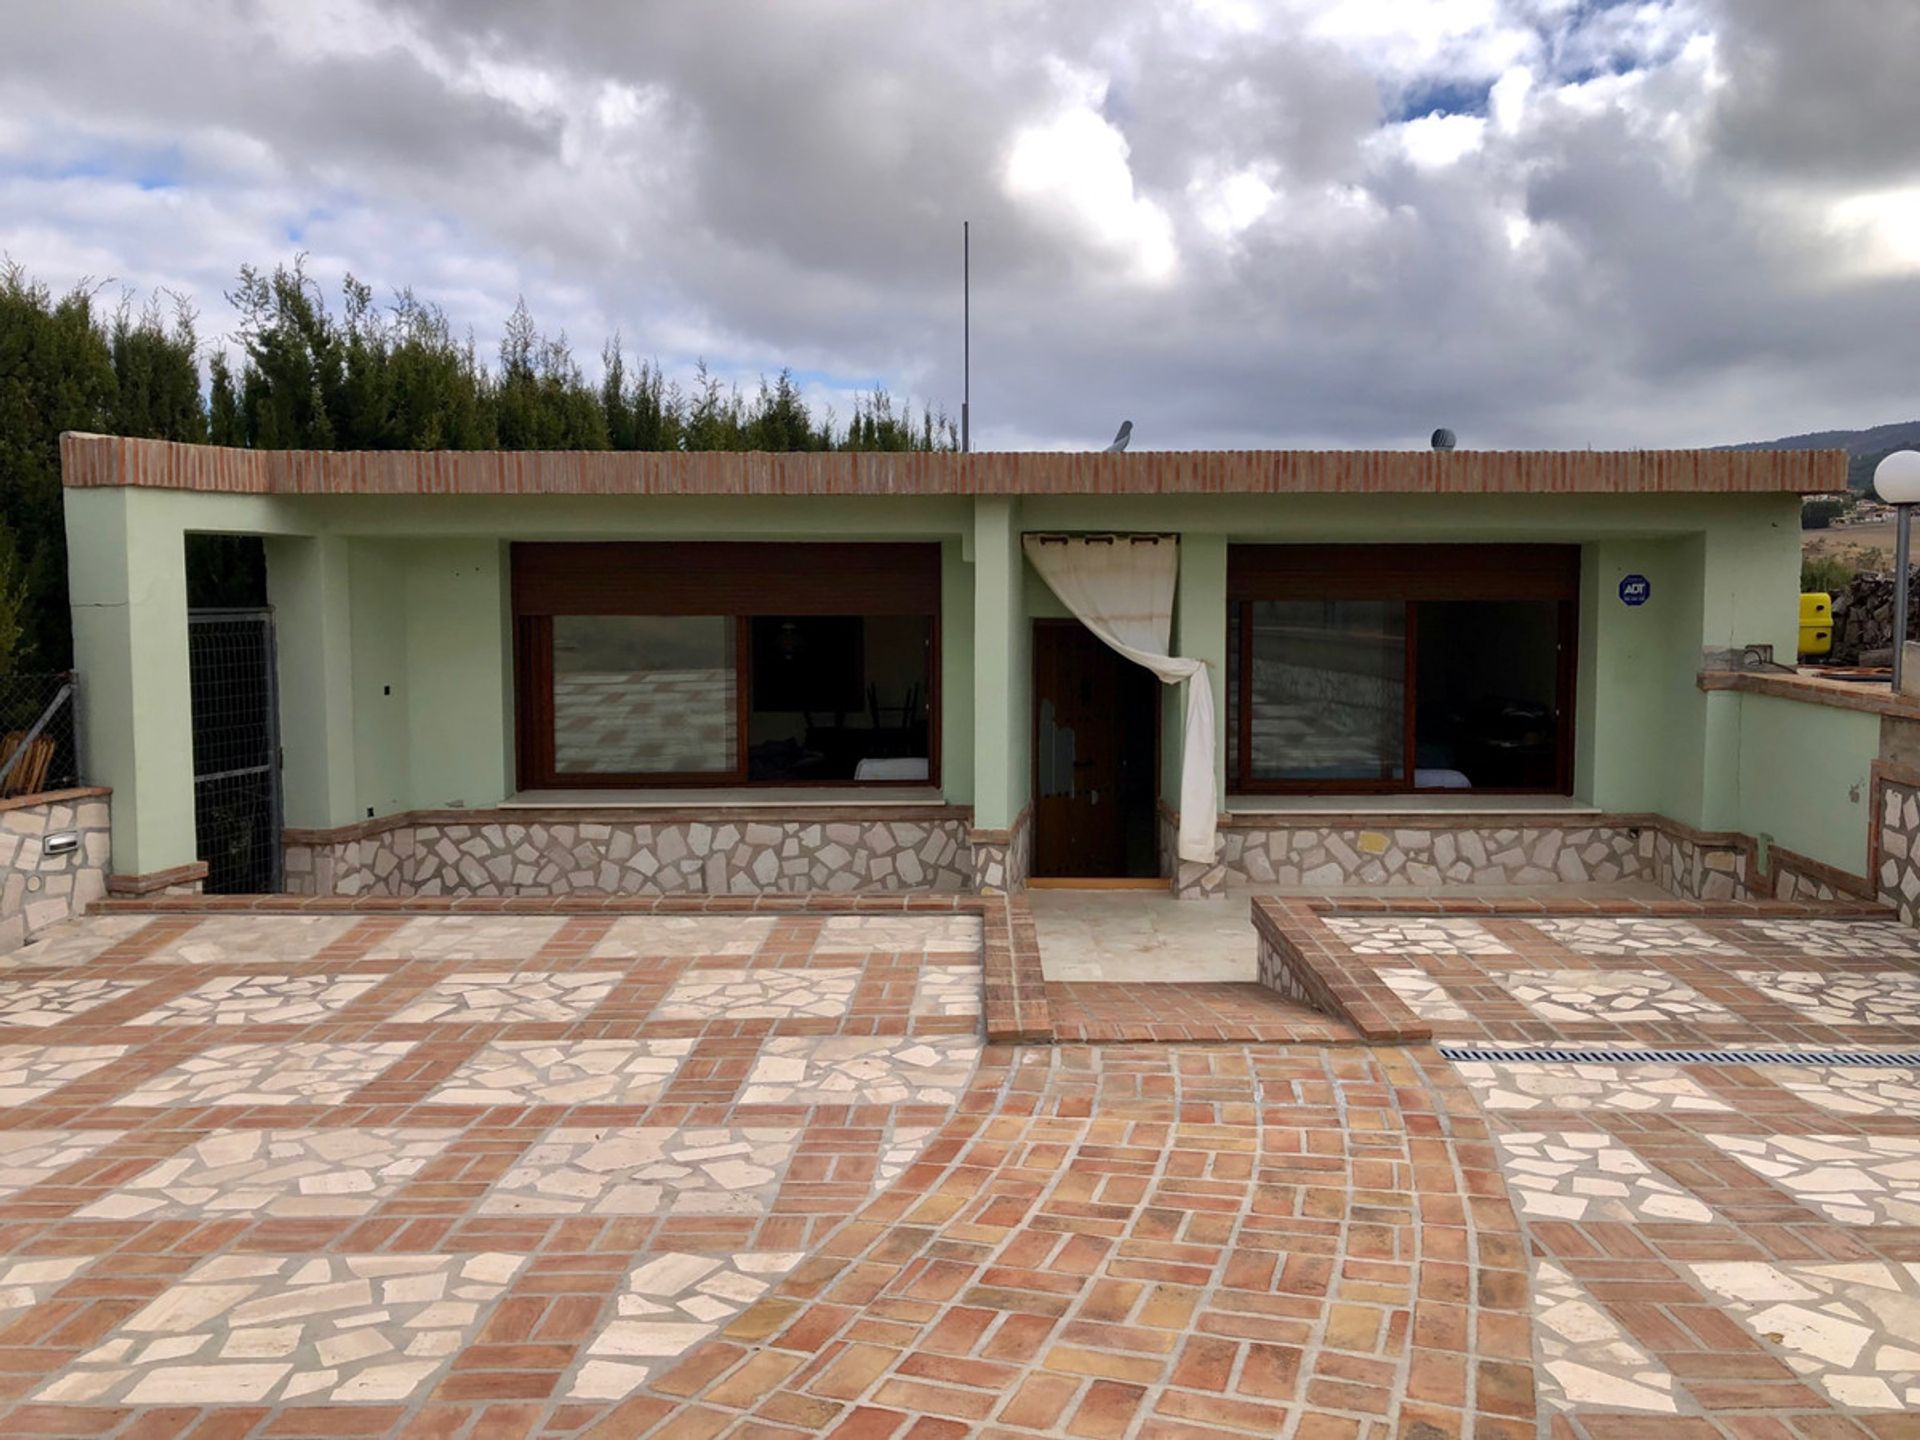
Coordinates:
column 236, row 749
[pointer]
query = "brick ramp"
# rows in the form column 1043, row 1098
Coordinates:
column 1203, row 1013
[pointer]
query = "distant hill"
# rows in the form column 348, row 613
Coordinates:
column 1867, row 448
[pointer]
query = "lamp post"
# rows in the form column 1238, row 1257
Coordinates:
column 1896, row 480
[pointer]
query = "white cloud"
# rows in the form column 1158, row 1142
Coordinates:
column 1433, row 142
column 1071, row 171
column 1880, row 230
column 1227, row 205
column 1239, row 221
column 1474, row 37
column 1507, row 100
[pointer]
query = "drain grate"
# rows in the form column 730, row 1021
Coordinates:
column 1577, row 1055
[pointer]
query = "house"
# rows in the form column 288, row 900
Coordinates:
column 745, row 673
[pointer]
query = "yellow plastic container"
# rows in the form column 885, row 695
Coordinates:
column 1816, row 624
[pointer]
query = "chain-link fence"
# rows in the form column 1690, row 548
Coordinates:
column 39, row 747
column 236, row 749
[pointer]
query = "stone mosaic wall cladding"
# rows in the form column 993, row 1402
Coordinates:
column 1191, row 880
column 1308, row 855
column 558, row 857
column 1791, row 884
column 1897, row 871
column 1002, row 859
column 1691, row 867
column 489, row 855
column 1699, row 869
column 37, row 889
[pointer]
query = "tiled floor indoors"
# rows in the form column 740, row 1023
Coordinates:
column 756, row 1174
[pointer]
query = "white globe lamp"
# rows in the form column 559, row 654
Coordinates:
column 1896, row 480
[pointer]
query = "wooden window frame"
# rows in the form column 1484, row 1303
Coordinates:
column 740, row 581
column 1411, row 574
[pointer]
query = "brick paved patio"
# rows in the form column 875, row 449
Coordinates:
column 681, row 1173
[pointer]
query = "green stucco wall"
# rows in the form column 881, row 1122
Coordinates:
column 396, row 642
column 382, row 681
column 1199, row 633
column 1638, row 711
column 956, row 673
column 1803, row 775
column 1003, row 665
column 459, row 668
column 130, row 643
column 1724, row 571
column 126, row 582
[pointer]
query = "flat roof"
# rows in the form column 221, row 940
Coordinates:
column 92, row 461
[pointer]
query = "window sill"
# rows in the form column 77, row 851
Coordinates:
column 742, row 797
column 1450, row 803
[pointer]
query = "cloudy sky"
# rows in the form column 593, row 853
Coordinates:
column 1238, row 222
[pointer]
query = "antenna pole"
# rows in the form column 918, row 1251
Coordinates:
column 966, row 336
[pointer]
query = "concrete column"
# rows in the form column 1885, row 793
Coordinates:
column 1200, row 633
column 309, row 588
column 1002, row 683
column 956, row 672
column 127, row 582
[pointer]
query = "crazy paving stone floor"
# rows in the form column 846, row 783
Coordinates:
column 296, row 1174
column 1715, row 1249
column 676, row 1175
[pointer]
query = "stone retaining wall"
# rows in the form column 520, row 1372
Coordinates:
column 1894, row 844
column 526, row 852
column 38, row 889
column 931, row 849
column 1431, row 851
column 1301, row 960
column 1703, row 866
column 1428, row 851
column 1003, row 859
column 1191, row 879
column 1803, row 887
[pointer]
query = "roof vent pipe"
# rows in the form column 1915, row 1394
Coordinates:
column 1443, row 439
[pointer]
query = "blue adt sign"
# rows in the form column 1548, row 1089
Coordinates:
column 1634, row 590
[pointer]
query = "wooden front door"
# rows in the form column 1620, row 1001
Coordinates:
column 1095, row 757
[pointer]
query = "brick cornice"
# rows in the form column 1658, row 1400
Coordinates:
column 56, row 797
column 1780, row 858
column 1006, row 836
column 156, row 881
column 1870, row 698
column 91, row 461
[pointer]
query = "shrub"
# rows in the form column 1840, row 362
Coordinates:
column 1824, row 573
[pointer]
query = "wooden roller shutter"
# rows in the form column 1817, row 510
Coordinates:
column 1403, row 572
column 726, row 578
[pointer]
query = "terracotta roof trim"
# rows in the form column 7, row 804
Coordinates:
column 104, row 461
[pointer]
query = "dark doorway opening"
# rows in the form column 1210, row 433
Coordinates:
column 1096, row 758
column 234, row 680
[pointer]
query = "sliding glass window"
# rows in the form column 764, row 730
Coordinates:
column 1400, row 668
column 1326, row 689
column 645, row 695
column 739, row 664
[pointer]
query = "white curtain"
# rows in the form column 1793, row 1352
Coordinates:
column 1121, row 588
